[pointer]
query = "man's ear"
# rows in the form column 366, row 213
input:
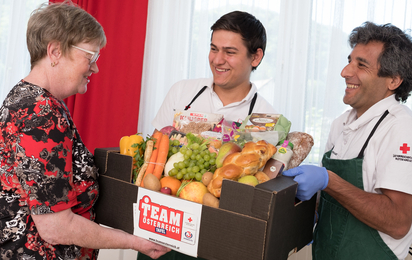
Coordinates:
column 395, row 82
column 54, row 52
column 257, row 57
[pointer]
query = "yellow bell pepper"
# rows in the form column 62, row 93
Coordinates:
column 127, row 146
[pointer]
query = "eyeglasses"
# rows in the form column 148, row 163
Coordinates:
column 95, row 55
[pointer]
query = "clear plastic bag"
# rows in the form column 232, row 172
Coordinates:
column 273, row 128
column 195, row 122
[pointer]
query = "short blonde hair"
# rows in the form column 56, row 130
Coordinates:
column 62, row 22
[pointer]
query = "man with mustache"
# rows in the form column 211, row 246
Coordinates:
column 365, row 209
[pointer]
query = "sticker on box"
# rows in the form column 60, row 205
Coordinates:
column 167, row 220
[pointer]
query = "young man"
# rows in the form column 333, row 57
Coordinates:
column 237, row 47
column 365, row 209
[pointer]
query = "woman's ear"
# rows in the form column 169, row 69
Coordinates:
column 257, row 57
column 395, row 82
column 54, row 52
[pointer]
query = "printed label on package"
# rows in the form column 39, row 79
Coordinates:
column 167, row 220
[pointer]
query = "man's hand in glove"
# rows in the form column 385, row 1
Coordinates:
column 310, row 179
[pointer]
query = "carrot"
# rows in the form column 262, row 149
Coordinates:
column 147, row 154
column 157, row 136
column 161, row 156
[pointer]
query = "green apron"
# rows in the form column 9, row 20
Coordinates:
column 338, row 234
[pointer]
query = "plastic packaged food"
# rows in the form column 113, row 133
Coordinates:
column 279, row 161
column 195, row 122
column 284, row 153
column 263, row 122
column 273, row 168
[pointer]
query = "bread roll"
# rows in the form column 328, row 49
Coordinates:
column 261, row 177
column 302, row 144
column 253, row 156
column 249, row 162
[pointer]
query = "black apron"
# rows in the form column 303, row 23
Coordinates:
column 252, row 104
column 338, row 234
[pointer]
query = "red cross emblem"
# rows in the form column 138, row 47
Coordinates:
column 190, row 219
column 404, row 148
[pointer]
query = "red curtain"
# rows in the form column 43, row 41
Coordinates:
column 110, row 107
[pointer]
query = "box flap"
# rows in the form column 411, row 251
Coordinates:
column 253, row 201
column 277, row 184
column 120, row 166
column 227, row 235
column 262, row 200
column 100, row 158
column 306, row 211
column 114, row 202
column 291, row 230
column 236, row 197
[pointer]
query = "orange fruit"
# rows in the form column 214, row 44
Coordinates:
column 170, row 182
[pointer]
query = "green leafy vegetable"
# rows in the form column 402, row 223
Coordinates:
column 282, row 125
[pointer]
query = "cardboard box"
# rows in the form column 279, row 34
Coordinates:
column 263, row 222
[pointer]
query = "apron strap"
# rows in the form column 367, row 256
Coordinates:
column 360, row 156
column 197, row 95
column 252, row 103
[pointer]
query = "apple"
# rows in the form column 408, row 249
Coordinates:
column 166, row 190
column 194, row 191
column 249, row 180
column 225, row 150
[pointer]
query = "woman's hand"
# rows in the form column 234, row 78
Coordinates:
column 66, row 228
column 151, row 249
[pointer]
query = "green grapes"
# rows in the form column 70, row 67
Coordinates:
column 174, row 146
column 197, row 160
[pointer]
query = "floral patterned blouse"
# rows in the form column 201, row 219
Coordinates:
column 44, row 168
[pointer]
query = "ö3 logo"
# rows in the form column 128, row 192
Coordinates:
column 188, row 234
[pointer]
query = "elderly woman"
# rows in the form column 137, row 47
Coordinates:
column 48, row 180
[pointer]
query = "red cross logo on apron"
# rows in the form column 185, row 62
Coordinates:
column 404, row 148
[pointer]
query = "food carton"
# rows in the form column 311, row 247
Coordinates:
column 263, row 222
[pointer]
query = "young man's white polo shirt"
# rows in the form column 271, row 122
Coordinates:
column 181, row 93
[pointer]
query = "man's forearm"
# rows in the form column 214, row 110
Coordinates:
column 387, row 212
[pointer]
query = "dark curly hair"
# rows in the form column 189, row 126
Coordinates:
column 251, row 29
column 396, row 56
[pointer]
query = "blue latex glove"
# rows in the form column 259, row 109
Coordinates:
column 310, row 179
